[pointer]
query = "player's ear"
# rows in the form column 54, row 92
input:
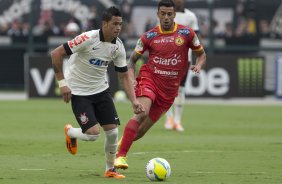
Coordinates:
column 158, row 14
column 174, row 14
column 104, row 23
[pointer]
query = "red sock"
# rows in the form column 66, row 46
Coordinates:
column 129, row 134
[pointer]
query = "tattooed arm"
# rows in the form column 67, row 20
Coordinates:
column 132, row 65
column 57, row 56
column 129, row 83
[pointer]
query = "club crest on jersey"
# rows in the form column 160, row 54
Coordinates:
column 151, row 35
column 83, row 118
column 114, row 49
column 179, row 41
column 183, row 32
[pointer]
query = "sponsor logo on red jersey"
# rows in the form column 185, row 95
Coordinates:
column 169, row 39
column 165, row 72
column 183, row 32
column 78, row 40
column 167, row 61
column 150, row 35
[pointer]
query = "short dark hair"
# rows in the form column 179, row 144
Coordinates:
column 110, row 12
column 166, row 3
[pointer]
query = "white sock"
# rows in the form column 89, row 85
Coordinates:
column 110, row 146
column 178, row 113
column 77, row 133
column 179, row 105
column 169, row 113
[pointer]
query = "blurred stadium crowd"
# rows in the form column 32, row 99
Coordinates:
column 247, row 20
column 237, row 27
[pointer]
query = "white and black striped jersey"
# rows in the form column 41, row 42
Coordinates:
column 86, row 69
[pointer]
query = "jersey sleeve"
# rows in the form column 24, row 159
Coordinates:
column 141, row 45
column 78, row 44
column 120, row 60
column 195, row 43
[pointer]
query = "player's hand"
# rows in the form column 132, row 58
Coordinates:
column 196, row 68
column 66, row 93
column 137, row 107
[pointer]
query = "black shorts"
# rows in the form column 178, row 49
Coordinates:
column 93, row 109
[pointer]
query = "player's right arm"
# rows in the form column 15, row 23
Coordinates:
column 140, row 48
column 78, row 44
column 132, row 64
column 57, row 56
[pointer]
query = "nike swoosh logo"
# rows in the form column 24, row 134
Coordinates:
column 94, row 48
column 116, row 118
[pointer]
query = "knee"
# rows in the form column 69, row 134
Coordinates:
column 93, row 131
column 92, row 137
column 112, row 135
column 92, row 134
column 141, row 117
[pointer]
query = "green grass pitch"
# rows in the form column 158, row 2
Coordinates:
column 229, row 144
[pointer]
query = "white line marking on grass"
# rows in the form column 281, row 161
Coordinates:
column 84, row 170
column 212, row 172
column 183, row 151
column 25, row 169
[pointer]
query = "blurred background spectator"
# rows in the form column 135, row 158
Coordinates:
column 233, row 26
column 72, row 29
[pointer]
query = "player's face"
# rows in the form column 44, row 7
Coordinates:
column 166, row 16
column 113, row 27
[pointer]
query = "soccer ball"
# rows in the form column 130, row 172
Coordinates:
column 120, row 96
column 158, row 169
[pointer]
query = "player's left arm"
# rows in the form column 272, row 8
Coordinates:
column 200, row 61
column 129, row 88
column 201, row 57
column 126, row 78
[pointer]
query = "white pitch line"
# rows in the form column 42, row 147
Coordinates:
column 183, row 151
column 212, row 172
column 87, row 170
column 25, row 169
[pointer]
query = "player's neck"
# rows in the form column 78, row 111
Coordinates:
column 171, row 29
column 107, row 37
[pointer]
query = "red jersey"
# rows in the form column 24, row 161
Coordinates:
column 168, row 58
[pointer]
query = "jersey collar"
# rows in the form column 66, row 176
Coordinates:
column 167, row 32
column 102, row 39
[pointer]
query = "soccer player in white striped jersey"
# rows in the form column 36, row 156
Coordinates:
column 174, row 114
column 85, row 84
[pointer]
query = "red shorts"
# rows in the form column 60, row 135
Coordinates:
column 160, row 101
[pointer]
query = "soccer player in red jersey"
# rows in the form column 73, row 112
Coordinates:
column 159, row 79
